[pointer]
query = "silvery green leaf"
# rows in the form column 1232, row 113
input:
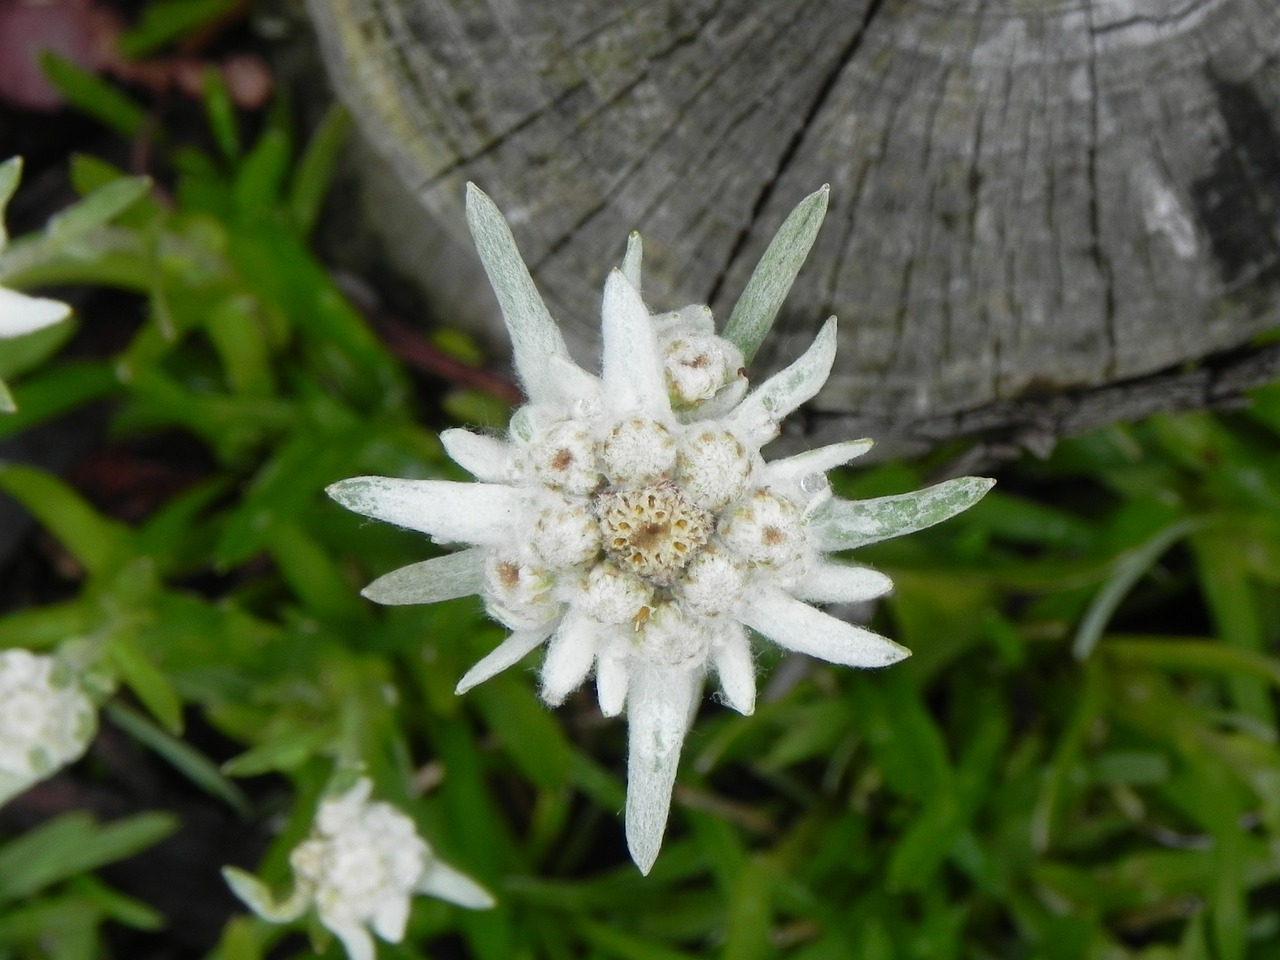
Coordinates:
column 758, row 416
column 97, row 209
column 534, row 334
column 6, row 399
column 631, row 260
column 844, row 524
column 756, row 309
column 441, row 578
column 10, row 174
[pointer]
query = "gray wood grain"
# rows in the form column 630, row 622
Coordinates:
column 1029, row 199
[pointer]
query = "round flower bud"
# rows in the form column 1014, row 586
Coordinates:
column 517, row 594
column 712, row 584
column 764, row 529
column 563, row 457
column 565, row 533
column 611, row 596
column 713, row 468
column 637, row 451
column 46, row 721
column 697, row 366
column 668, row 638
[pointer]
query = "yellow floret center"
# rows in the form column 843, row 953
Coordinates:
column 652, row 531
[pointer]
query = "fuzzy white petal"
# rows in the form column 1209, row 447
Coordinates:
column 443, row 881
column 630, row 366
column 506, row 654
column 575, row 383
column 534, row 334
column 355, row 938
column 659, row 709
column 611, row 684
column 21, row 314
column 797, row 626
column 257, row 897
column 485, row 458
column 390, row 919
column 756, row 419
column 570, row 655
column 794, row 469
column 631, row 260
column 441, row 578
column 737, row 671
column 845, row 524
column 450, row 512
column 837, row 583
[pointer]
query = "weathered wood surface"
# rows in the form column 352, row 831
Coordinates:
column 1031, row 199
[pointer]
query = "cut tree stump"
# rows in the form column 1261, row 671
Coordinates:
column 1044, row 215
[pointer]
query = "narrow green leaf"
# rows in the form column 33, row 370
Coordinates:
column 534, row 334
column 762, row 298
column 71, row 844
column 150, row 685
column 188, row 761
column 532, row 738
column 750, row 914
column 283, row 752
column 97, row 209
column 88, row 92
column 261, row 176
column 846, row 524
column 221, row 112
column 10, row 174
column 1198, row 656
column 96, row 542
column 314, row 171
column 1128, row 569
column 164, row 21
column 46, row 395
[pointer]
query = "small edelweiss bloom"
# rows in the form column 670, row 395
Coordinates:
column 46, row 719
column 629, row 521
column 359, row 868
column 19, row 313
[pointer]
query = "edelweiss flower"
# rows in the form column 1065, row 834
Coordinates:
column 19, row 313
column 630, row 520
column 46, row 720
column 359, row 868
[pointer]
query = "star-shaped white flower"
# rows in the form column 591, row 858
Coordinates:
column 359, row 868
column 46, row 719
column 630, row 522
column 20, row 314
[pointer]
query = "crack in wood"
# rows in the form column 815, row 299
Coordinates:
column 789, row 151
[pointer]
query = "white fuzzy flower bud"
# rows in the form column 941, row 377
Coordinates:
column 517, row 594
column 565, row 533
column 361, row 863
column 46, row 721
column 697, row 366
column 564, row 457
column 668, row 638
column 611, row 596
column 713, row 468
column 637, row 451
column 359, row 868
column 764, row 529
column 713, row 582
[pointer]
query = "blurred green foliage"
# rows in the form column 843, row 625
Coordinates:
column 1080, row 761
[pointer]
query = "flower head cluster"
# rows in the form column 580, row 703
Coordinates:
column 19, row 313
column 629, row 520
column 46, row 719
column 359, row 868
